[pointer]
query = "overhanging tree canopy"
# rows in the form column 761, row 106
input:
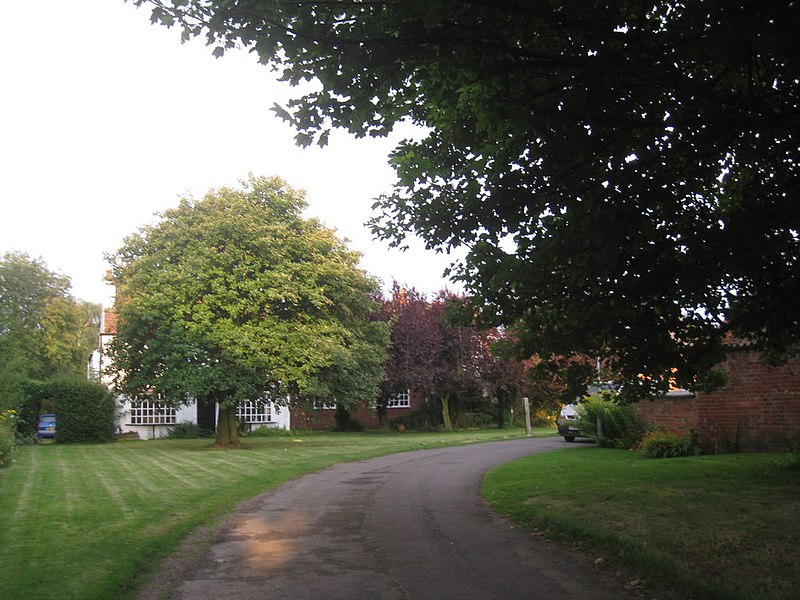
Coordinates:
column 623, row 172
column 236, row 296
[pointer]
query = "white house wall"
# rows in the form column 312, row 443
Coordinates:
column 184, row 414
column 188, row 414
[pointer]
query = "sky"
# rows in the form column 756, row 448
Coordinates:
column 106, row 120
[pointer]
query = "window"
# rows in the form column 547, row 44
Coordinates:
column 399, row 400
column 258, row 411
column 324, row 405
column 151, row 412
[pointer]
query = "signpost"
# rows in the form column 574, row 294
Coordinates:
column 527, row 406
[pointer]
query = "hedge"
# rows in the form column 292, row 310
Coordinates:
column 85, row 410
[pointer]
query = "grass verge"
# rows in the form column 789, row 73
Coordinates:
column 88, row 522
column 713, row 527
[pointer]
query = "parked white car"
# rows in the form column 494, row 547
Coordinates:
column 567, row 422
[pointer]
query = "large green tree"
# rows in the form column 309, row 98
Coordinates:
column 623, row 173
column 44, row 330
column 237, row 296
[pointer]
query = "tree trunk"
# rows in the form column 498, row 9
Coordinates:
column 383, row 420
column 504, row 405
column 448, row 424
column 342, row 418
column 227, row 429
column 600, row 441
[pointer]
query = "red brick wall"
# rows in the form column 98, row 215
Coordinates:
column 758, row 409
column 324, row 419
column 678, row 415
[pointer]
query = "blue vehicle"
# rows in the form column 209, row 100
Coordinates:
column 47, row 427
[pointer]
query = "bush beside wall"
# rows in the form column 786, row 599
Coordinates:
column 620, row 427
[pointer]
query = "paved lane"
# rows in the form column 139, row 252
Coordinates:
column 405, row 526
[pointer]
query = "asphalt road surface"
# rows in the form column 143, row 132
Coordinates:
column 409, row 526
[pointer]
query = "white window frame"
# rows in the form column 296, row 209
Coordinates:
column 325, row 404
column 399, row 400
column 254, row 411
column 151, row 412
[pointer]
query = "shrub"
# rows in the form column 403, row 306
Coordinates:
column 663, row 444
column 471, row 420
column 620, row 428
column 423, row 418
column 270, row 432
column 184, row 431
column 7, row 435
column 84, row 410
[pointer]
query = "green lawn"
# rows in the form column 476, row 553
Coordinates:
column 713, row 527
column 86, row 522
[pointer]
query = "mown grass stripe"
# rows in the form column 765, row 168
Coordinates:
column 208, row 466
column 106, row 478
column 17, row 507
column 192, row 464
column 67, row 476
column 164, row 464
column 140, row 481
column 22, row 504
column 244, row 458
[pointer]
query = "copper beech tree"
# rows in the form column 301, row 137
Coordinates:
column 430, row 355
column 448, row 362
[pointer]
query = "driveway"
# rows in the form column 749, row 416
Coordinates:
column 403, row 526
